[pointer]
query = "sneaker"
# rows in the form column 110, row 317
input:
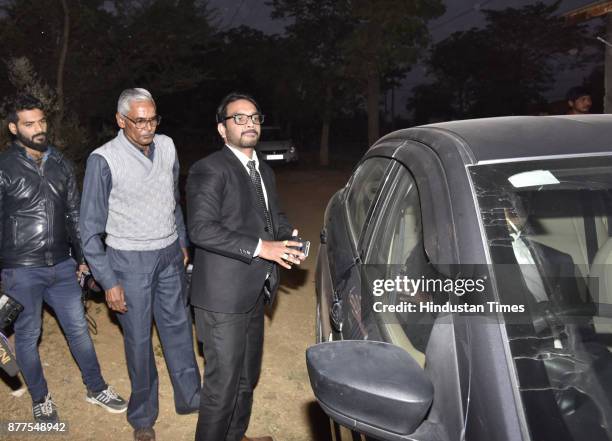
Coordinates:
column 108, row 399
column 45, row 411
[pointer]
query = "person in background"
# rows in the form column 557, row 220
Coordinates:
column 579, row 101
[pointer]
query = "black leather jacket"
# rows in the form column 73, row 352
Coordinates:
column 39, row 210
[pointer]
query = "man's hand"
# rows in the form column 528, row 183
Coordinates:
column 185, row 256
column 115, row 299
column 278, row 251
column 83, row 268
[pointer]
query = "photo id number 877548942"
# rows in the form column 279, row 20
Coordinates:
column 8, row 427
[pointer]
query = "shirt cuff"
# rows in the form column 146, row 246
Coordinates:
column 258, row 249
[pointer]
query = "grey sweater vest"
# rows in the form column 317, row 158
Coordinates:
column 141, row 202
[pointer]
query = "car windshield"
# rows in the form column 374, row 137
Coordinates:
column 548, row 225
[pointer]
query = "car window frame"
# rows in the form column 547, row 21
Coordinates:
column 356, row 238
column 420, row 160
column 384, row 201
column 387, row 323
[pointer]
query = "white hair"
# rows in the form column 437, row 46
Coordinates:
column 129, row 95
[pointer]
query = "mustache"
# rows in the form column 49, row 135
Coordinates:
column 39, row 134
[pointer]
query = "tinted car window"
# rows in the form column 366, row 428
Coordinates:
column 364, row 186
column 396, row 249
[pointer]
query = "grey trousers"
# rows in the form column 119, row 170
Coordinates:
column 157, row 294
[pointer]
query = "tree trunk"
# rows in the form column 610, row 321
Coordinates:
column 324, row 147
column 62, row 62
column 608, row 67
column 373, row 100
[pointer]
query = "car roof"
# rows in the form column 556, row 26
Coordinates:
column 515, row 137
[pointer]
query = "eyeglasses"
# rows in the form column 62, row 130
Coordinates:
column 141, row 123
column 241, row 119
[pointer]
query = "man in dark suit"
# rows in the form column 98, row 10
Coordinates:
column 240, row 235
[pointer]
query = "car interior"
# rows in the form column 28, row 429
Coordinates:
column 585, row 237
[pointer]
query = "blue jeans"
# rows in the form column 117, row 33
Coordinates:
column 57, row 286
column 154, row 284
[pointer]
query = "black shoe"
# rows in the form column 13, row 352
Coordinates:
column 144, row 434
column 45, row 411
column 187, row 411
column 108, row 399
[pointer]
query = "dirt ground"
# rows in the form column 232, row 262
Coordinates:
column 284, row 405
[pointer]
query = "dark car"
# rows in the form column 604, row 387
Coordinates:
column 464, row 285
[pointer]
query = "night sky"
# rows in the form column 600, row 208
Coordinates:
column 459, row 15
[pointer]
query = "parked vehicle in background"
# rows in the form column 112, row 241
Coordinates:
column 275, row 147
column 522, row 204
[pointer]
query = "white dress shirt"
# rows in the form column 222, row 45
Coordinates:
column 528, row 266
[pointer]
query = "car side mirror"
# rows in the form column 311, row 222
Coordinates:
column 374, row 388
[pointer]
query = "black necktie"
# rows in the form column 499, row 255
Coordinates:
column 256, row 179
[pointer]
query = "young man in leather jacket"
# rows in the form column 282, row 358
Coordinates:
column 39, row 218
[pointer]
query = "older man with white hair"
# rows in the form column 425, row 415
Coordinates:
column 130, row 194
